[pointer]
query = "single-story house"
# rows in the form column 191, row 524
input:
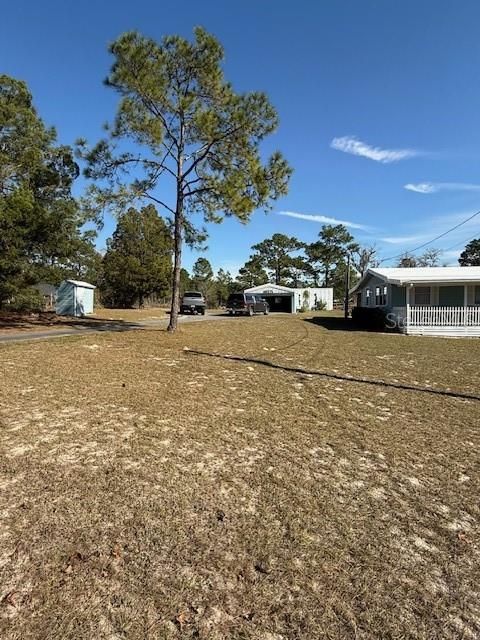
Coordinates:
column 425, row 300
column 74, row 298
column 290, row 300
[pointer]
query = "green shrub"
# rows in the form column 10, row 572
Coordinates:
column 320, row 305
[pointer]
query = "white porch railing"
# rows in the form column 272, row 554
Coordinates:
column 443, row 316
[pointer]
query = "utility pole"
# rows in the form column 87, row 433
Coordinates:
column 347, row 286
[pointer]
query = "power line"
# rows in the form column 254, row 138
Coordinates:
column 425, row 244
column 465, row 242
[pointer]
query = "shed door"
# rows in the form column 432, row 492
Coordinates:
column 81, row 300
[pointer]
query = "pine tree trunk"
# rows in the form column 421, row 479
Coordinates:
column 177, row 265
column 178, row 230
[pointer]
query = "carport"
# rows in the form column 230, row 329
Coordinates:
column 279, row 302
column 290, row 300
column 280, row 299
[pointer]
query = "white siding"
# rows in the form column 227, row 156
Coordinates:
column 84, row 301
column 299, row 299
column 73, row 299
column 314, row 294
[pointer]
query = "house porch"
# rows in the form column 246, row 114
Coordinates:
column 440, row 309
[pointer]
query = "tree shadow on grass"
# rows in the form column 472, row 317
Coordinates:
column 341, row 377
column 333, row 323
column 337, row 323
column 23, row 322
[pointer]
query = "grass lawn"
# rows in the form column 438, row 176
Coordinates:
column 45, row 321
column 131, row 315
column 149, row 492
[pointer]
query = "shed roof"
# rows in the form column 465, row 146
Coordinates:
column 84, row 285
column 422, row 275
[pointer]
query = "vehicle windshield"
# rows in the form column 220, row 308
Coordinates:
column 192, row 294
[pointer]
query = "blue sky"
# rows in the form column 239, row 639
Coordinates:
column 372, row 96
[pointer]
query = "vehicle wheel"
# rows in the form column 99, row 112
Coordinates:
column 250, row 311
column 202, row 312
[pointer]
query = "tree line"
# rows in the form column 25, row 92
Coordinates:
column 180, row 129
column 138, row 263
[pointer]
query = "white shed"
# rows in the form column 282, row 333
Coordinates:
column 74, row 298
column 290, row 300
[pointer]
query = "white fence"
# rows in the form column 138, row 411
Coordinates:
column 443, row 316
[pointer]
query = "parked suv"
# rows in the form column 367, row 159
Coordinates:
column 246, row 304
column 193, row 302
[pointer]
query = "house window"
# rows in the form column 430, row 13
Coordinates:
column 476, row 298
column 380, row 296
column 422, row 296
column 368, row 295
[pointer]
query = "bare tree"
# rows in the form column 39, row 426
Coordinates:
column 365, row 258
column 407, row 261
column 430, row 258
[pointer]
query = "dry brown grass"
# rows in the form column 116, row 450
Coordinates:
column 131, row 315
column 46, row 321
column 11, row 322
column 148, row 492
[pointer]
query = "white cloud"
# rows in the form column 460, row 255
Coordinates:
column 323, row 219
column 403, row 239
column 433, row 187
column 351, row 144
column 421, row 187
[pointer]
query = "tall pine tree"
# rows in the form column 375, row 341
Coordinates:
column 277, row 255
column 180, row 121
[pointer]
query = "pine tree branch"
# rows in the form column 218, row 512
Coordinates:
column 160, row 202
column 205, row 153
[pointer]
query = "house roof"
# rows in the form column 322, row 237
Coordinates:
column 422, row 275
column 84, row 285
